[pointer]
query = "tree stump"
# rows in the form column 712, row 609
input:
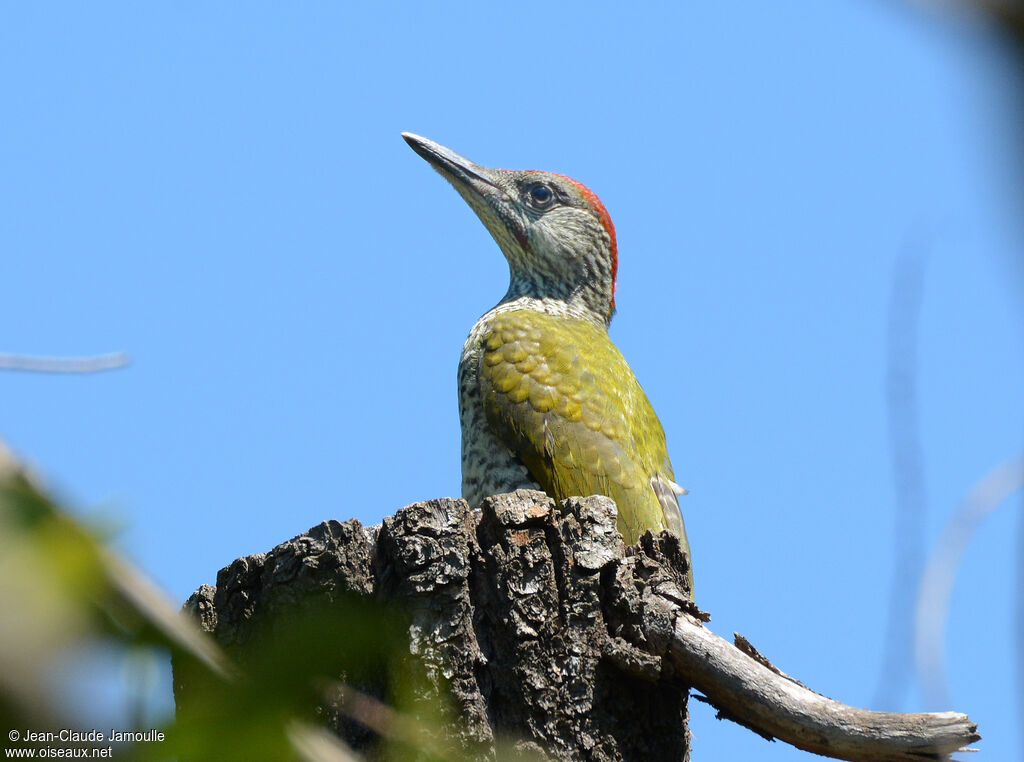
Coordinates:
column 535, row 618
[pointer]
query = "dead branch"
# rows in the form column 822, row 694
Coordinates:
column 756, row 695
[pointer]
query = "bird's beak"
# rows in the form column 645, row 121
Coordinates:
column 458, row 170
column 493, row 204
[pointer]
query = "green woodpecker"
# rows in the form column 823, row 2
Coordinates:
column 546, row 400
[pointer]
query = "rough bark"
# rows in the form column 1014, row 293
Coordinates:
column 523, row 610
column 541, row 626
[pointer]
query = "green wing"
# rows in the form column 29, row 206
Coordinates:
column 561, row 396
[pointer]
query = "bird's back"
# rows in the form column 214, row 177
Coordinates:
column 560, row 400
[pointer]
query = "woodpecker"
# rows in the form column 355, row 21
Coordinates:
column 546, row 400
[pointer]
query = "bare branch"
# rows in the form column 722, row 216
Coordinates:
column 753, row 693
column 40, row 364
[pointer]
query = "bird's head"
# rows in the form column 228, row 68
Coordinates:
column 555, row 233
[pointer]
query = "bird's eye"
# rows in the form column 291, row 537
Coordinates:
column 541, row 196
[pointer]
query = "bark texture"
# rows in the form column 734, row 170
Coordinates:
column 541, row 624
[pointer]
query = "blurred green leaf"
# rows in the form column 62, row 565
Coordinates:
column 316, row 662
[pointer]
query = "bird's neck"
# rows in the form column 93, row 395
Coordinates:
column 583, row 301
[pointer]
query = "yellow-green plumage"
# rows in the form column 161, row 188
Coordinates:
column 559, row 394
column 546, row 400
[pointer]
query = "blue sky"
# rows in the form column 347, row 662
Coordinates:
column 223, row 193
